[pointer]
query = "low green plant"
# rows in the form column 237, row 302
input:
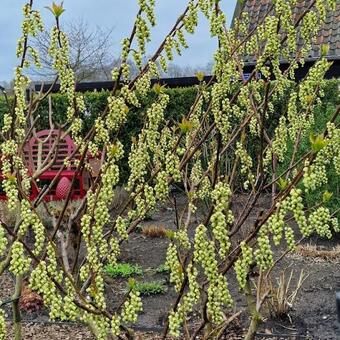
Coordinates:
column 162, row 269
column 123, row 270
column 150, row 288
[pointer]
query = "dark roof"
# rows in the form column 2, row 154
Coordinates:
column 334, row 71
column 329, row 33
column 109, row 85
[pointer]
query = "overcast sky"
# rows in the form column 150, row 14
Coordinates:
column 117, row 14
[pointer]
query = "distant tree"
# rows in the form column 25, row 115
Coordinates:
column 90, row 52
column 175, row 70
column 8, row 86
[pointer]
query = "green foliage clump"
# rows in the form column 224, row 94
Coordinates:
column 123, row 270
column 162, row 269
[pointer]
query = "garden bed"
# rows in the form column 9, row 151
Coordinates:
column 313, row 315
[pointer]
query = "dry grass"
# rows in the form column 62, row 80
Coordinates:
column 154, row 231
column 283, row 293
column 312, row 251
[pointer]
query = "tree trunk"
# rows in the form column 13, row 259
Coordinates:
column 16, row 308
column 255, row 315
column 254, row 324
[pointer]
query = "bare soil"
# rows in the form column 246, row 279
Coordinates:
column 313, row 316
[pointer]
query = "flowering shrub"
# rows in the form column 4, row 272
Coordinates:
column 206, row 152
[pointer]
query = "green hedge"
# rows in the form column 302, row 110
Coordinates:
column 322, row 114
column 181, row 100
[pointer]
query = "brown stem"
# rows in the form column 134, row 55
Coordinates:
column 274, row 184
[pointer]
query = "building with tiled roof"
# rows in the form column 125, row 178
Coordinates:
column 328, row 35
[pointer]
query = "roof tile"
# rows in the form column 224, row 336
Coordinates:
column 329, row 34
